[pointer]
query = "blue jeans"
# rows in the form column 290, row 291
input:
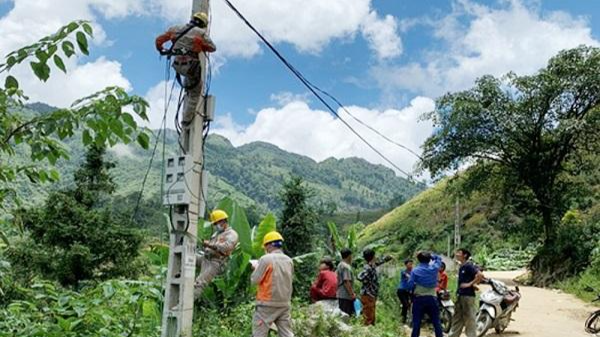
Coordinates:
column 426, row 305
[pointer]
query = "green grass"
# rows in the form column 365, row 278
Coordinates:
column 579, row 285
column 427, row 220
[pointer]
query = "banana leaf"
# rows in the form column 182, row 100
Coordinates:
column 239, row 222
column 268, row 224
column 352, row 238
column 335, row 237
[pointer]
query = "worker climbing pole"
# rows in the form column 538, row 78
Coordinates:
column 184, row 179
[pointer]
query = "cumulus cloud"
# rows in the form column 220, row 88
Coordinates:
column 22, row 25
column 382, row 35
column 156, row 99
column 493, row 41
column 308, row 25
column 62, row 89
column 298, row 128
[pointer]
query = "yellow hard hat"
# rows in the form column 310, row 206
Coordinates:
column 202, row 17
column 217, row 215
column 271, row 237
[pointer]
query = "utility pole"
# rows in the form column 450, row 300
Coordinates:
column 185, row 190
column 457, row 225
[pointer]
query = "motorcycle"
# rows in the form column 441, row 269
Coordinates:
column 496, row 307
column 446, row 310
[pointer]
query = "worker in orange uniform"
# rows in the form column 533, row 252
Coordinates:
column 187, row 42
column 273, row 274
column 216, row 251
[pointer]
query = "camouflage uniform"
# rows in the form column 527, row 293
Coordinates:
column 213, row 262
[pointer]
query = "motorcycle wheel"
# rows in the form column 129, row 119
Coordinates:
column 592, row 324
column 446, row 318
column 503, row 324
column 484, row 323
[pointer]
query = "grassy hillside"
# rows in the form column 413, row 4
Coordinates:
column 251, row 174
column 427, row 220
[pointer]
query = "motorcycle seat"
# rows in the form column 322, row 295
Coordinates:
column 510, row 298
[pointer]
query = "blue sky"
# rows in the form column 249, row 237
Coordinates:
column 386, row 59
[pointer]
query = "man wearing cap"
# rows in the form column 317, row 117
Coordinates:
column 216, row 251
column 273, row 275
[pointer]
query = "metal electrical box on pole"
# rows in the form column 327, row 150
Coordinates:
column 184, row 193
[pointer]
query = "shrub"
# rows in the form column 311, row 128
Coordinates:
column 110, row 309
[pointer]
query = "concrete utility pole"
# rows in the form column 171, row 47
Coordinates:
column 457, row 226
column 185, row 190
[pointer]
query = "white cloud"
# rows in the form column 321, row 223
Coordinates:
column 285, row 97
column 308, row 25
column 298, row 128
column 81, row 80
column 156, row 98
column 493, row 41
column 30, row 20
column 382, row 35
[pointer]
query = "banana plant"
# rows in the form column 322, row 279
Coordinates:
column 268, row 224
column 337, row 243
column 239, row 222
column 233, row 286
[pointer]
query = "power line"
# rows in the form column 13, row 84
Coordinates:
column 163, row 129
column 367, row 125
column 311, row 87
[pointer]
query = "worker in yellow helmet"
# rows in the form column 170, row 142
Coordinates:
column 273, row 274
column 216, row 251
column 187, row 43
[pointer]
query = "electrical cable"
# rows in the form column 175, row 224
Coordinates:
column 163, row 127
column 311, row 87
column 365, row 124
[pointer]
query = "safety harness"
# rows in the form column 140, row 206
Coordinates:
column 183, row 52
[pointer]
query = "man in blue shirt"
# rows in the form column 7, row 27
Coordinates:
column 424, row 279
column 404, row 290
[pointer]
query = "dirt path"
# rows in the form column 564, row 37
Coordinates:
column 544, row 312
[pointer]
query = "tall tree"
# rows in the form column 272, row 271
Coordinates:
column 298, row 217
column 524, row 129
column 72, row 237
column 93, row 179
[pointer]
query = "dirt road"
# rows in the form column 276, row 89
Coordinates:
column 544, row 312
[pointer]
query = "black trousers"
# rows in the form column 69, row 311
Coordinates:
column 404, row 297
column 347, row 306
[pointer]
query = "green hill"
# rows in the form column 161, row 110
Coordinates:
column 427, row 221
column 251, row 174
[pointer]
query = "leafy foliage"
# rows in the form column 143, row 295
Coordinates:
column 298, row 218
column 70, row 238
column 527, row 126
column 111, row 309
column 337, row 242
column 101, row 115
column 268, row 224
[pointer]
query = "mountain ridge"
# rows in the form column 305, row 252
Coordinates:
column 252, row 173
